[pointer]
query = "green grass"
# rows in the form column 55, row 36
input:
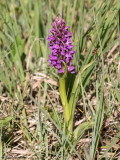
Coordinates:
column 32, row 124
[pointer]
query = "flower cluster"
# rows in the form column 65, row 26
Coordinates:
column 61, row 46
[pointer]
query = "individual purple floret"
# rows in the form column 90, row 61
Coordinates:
column 61, row 46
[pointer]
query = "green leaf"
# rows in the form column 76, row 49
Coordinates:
column 4, row 122
column 82, row 128
column 21, row 44
column 76, row 88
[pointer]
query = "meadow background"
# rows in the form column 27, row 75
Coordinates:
column 31, row 114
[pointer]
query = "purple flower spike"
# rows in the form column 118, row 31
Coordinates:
column 61, row 46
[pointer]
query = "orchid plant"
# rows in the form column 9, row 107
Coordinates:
column 61, row 57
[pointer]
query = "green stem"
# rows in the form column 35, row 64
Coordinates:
column 64, row 99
